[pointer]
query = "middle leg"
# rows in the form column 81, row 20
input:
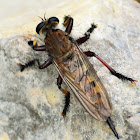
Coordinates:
column 87, row 34
column 35, row 46
column 67, row 96
column 32, row 62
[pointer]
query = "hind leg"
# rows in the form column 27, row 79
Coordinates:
column 120, row 76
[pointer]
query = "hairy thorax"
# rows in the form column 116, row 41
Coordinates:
column 57, row 43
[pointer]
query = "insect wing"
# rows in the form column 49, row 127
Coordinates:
column 79, row 74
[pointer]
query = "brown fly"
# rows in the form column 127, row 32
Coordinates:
column 74, row 68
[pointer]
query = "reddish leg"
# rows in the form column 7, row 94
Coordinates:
column 68, row 22
column 87, row 34
column 120, row 76
column 67, row 96
column 31, row 63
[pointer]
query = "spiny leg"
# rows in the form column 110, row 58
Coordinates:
column 67, row 96
column 87, row 34
column 112, row 127
column 68, row 22
column 35, row 46
column 31, row 63
column 120, row 76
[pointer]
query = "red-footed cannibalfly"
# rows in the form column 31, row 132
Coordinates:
column 74, row 68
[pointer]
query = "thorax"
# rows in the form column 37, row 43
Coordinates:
column 57, row 43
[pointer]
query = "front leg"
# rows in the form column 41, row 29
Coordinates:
column 35, row 46
column 87, row 34
column 120, row 76
column 68, row 22
column 31, row 63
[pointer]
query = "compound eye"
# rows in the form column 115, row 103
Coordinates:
column 39, row 27
column 53, row 21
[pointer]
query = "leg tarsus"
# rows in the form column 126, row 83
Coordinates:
column 22, row 67
column 30, row 43
column 122, row 77
column 28, row 64
column 90, row 30
column 112, row 127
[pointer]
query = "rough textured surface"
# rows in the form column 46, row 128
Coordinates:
column 30, row 102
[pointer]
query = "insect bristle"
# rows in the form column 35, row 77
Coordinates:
column 41, row 18
column 44, row 16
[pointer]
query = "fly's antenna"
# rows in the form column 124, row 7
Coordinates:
column 41, row 18
column 44, row 16
column 112, row 127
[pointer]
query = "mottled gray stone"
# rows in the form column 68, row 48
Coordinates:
column 30, row 102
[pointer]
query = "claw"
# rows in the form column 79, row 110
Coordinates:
column 66, row 19
column 64, row 115
column 19, row 63
column 133, row 82
column 95, row 26
column 30, row 43
column 21, row 66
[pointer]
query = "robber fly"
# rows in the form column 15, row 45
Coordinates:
column 74, row 68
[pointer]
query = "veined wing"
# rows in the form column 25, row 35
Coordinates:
column 79, row 74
